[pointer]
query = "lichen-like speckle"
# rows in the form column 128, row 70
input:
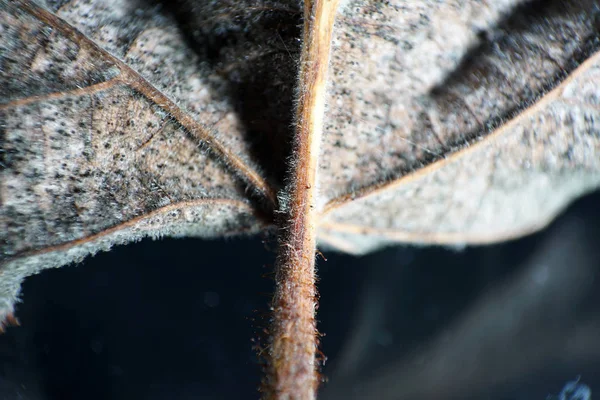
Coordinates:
column 89, row 159
column 445, row 126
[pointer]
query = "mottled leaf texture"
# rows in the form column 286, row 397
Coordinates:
column 447, row 122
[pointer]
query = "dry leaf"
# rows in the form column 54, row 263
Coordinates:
column 470, row 123
column 446, row 122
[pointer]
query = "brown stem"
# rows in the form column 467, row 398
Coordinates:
column 292, row 365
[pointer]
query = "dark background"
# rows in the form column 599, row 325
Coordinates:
column 174, row 319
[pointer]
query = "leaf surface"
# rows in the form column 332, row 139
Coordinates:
column 101, row 139
column 447, row 122
column 459, row 124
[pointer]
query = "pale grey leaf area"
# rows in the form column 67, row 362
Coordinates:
column 483, row 145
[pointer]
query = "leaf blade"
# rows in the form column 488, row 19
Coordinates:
column 443, row 207
column 107, row 160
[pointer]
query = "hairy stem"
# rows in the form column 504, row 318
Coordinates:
column 292, row 365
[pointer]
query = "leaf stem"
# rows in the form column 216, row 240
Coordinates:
column 292, row 364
